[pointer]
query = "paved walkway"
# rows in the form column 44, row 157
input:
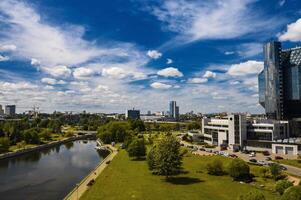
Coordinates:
column 77, row 192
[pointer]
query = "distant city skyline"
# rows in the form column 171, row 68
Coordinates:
column 106, row 56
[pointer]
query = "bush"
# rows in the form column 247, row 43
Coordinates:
column 292, row 193
column 254, row 195
column 264, row 171
column 239, row 170
column 282, row 185
column 275, row 170
column 136, row 148
column 215, row 167
column 4, row 144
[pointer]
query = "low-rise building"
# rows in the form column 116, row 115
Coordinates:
column 132, row 114
column 10, row 109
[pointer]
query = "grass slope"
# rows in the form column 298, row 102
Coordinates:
column 126, row 179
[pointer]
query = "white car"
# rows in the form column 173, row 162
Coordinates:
column 262, row 162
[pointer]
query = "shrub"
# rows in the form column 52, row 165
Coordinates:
column 136, row 148
column 275, row 170
column 215, row 167
column 4, row 144
column 239, row 170
column 282, row 185
column 254, row 195
column 292, row 193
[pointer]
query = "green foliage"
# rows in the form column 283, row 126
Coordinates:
column 193, row 126
column 275, row 170
column 137, row 125
column 215, row 167
column 31, row 136
column 136, row 148
column 113, row 132
column 165, row 157
column 239, row 170
column 46, row 134
column 4, row 144
column 292, row 193
column 282, row 185
column 69, row 134
column 264, row 171
column 55, row 126
column 254, row 195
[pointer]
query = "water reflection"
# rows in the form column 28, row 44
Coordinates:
column 48, row 174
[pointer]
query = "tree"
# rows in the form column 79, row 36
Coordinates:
column 239, row 170
column 264, row 171
column 282, row 185
column 114, row 132
column 31, row 136
column 292, row 193
column 165, row 157
column 4, row 144
column 215, row 167
column 137, row 125
column 253, row 195
column 46, row 134
column 193, row 126
column 275, row 170
column 136, row 148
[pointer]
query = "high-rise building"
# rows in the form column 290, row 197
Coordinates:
column 280, row 82
column 132, row 114
column 1, row 110
column 173, row 110
column 10, row 109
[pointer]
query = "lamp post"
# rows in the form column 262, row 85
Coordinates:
column 77, row 191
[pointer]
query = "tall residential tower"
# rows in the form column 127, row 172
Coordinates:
column 173, row 110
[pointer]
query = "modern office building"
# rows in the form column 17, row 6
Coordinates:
column 173, row 110
column 280, row 82
column 1, row 110
column 132, row 114
column 10, row 110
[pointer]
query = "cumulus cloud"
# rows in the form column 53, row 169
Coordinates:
column 83, row 72
column 229, row 52
column 209, row 74
column 169, row 61
column 58, row 71
column 3, row 58
column 35, row 62
column 293, row 32
column 120, row 73
column 154, row 54
column 197, row 80
column 52, row 81
column 7, row 47
column 245, row 68
column 159, row 85
column 170, row 72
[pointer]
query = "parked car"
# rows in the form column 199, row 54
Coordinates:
column 278, row 158
column 253, row 160
column 91, row 182
column 268, row 158
column 245, row 152
column 233, row 156
column 262, row 162
column 202, row 149
column 252, row 154
column 266, row 153
column 283, row 168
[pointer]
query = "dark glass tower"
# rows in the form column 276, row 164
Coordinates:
column 280, row 82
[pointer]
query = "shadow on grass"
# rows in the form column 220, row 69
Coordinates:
column 183, row 180
column 139, row 159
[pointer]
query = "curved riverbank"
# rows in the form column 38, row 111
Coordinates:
column 41, row 147
column 82, row 187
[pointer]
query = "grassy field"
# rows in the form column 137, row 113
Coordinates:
column 125, row 179
column 295, row 163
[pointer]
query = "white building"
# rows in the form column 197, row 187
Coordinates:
column 1, row 110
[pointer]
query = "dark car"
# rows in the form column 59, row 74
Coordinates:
column 253, row 160
column 283, row 168
column 245, row 152
column 266, row 153
column 278, row 158
column 233, row 156
column 268, row 158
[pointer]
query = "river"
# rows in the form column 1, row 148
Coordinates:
column 48, row 174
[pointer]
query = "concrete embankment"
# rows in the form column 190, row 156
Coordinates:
column 40, row 147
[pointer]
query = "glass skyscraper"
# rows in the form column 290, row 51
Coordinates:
column 280, row 82
column 173, row 110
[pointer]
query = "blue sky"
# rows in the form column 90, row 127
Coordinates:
column 107, row 56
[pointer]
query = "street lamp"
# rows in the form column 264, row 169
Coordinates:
column 77, row 191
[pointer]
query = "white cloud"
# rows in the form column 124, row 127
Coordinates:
column 170, row 72
column 120, row 73
column 35, row 62
column 83, row 72
column 245, row 68
column 158, row 85
column 282, row 2
column 293, row 32
column 212, row 19
column 8, row 47
column 9, row 86
column 3, row 58
column 58, row 71
column 52, row 81
column 209, row 74
column 249, row 49
column 197, row 80
column 154, row 54
column 229, row 52
column 169, row 61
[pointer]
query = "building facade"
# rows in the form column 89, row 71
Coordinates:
column 174, row 110
column 132, row 114
column 280, row 82
column 10, row 110
column 1, row 110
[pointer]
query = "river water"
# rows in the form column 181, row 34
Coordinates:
column 49, row 174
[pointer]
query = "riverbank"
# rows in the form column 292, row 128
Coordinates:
column 82, row 187
column 42, row 146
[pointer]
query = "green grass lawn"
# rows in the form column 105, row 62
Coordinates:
column 125, row 179
column 295, row 163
